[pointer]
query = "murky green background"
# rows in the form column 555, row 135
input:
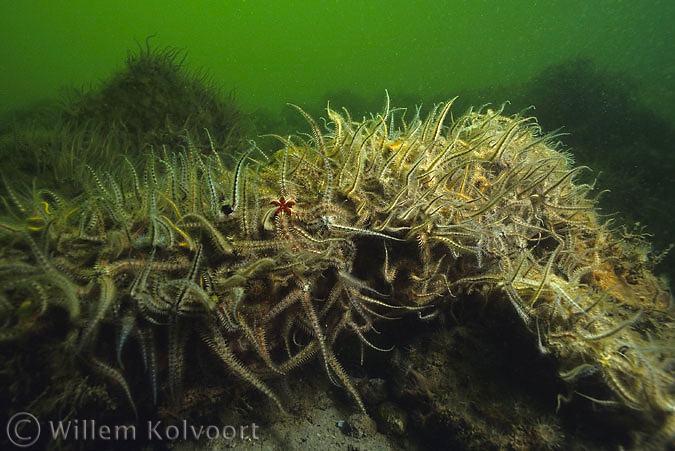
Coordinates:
column 275, row 52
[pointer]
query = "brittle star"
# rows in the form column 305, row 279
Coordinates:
column 284, row 207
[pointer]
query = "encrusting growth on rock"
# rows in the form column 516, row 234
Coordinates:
column 268, row 263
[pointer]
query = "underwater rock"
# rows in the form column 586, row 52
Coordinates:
column 152, row 103
column 374, row 391
column 392, row 419
column 360, row 425
column 155, row 100
column 260, row 268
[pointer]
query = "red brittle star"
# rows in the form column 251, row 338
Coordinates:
column 284, row 207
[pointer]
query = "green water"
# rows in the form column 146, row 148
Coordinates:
column 304, row 51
